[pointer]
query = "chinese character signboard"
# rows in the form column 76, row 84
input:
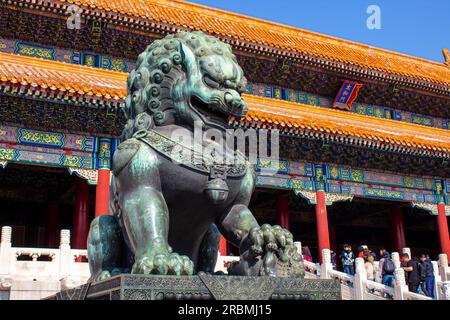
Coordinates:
column 346, row 95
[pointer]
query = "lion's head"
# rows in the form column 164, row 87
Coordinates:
column 184, row 78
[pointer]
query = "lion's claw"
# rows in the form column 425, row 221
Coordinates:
column 269, row 238
column 264, row 249
column 164, row 263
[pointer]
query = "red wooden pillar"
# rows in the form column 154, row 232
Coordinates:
column 398, row 229
column 102, row 192
column 52, row 225
column 443, row 229
column 283, row 211
column 223, row 249
column 333, row 242
column 102, row 189
column 81, row 215
column 323, row 237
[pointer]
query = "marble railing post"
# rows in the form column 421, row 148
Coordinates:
column 360, row 278
column 298, row 246
column 400, row 286
column 444, row 293
column 65, row 257
column 444, row 269
column 326, row 265
column 376, row 265
column 396, row 259
column 437, row 278
column 5, row 250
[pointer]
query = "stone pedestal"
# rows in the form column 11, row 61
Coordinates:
column 203, row 287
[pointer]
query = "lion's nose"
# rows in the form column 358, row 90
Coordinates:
column 235, row 104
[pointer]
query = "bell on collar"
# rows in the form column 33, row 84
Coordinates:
column 216, row 190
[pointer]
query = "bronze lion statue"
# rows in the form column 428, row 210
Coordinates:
column 168, row 201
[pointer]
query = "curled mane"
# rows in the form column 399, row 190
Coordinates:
column 164, row 63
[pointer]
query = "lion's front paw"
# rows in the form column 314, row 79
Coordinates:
column 272, row 247
column 164, row 263
column 268, row 238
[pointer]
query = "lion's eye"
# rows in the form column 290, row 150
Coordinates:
column 211, row 82
column 241, row 88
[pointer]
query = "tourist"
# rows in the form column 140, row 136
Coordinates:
column 387, row 268
column 412, row 272
column 333, row 259
column 370, row 268
column 347, row 260
column 427, row 275
column 306, row 253
column 405, row 258
column 361, row 251
column 366, row 251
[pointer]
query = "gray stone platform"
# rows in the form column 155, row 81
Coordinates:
column 203, row 287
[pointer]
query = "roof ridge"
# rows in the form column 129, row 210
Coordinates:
column 295, row 29
column 269, row 37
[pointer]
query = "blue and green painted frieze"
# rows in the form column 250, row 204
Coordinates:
column 53, row 148
column 302, row 176
column 58, row 54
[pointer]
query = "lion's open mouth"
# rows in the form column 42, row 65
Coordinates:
column 210, row 113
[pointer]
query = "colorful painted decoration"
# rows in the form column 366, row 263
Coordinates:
column 90, row 175
column 344, row 182
column 53, row 148
column 76, row 57
column 430, row 207
column 346, row 95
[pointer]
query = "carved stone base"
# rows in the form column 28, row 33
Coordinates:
column 203, row 287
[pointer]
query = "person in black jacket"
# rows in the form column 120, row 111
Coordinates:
column 427, row 275
column 412, row 272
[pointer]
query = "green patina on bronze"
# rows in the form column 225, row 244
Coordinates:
column 168, row 209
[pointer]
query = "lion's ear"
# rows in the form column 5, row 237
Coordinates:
column 189, row 61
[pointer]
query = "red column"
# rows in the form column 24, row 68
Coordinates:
column 333, row 242
column 443, row 229
column 323, row 238
column 52, row 225
column 283, row 211
column 81, row 215
column 102, row 192
column 223, row 246
column 398, row 229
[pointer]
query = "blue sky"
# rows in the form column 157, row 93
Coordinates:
column 415, row 27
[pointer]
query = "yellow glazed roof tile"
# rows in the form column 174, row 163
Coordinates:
column 349, row 124
column 61, row 76
column 222, row 23
column 40, row 74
